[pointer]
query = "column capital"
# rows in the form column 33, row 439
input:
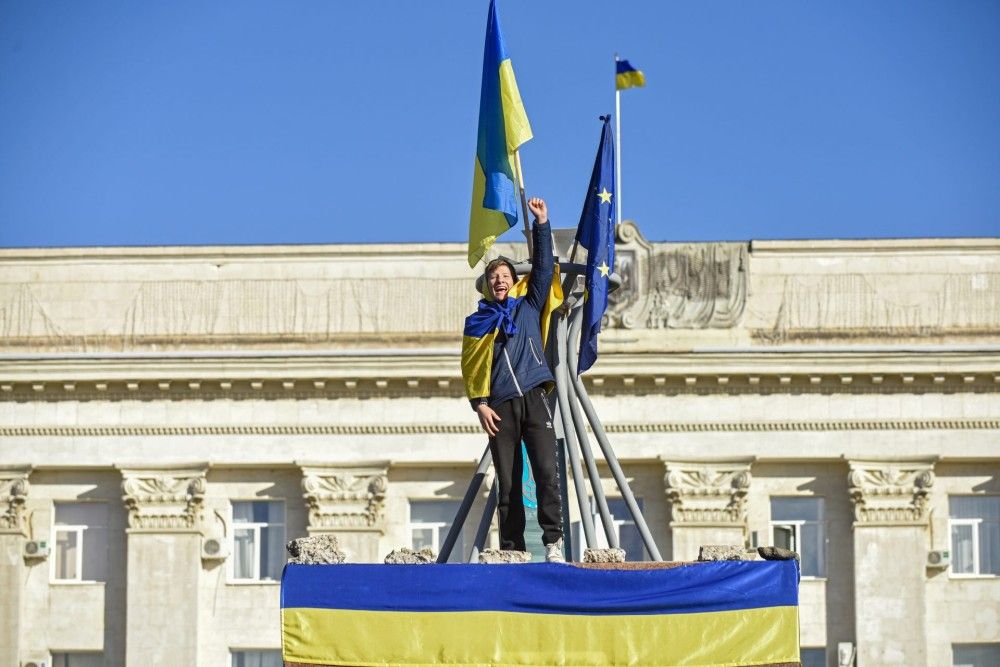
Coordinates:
column 707, row 493
column 164, row 499
column 345, row 497
column 890, row 493
column 14, row 489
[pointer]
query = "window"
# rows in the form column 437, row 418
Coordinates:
column 812, row 657
column 77, row 660
column 975, row 534
column 257, row 658
column 975, row 655
column 798, row 524
column 628, row 534
column 80, row 536
column 258, row 540
column 430, row 521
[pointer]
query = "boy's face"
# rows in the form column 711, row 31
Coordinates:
column 500, row 281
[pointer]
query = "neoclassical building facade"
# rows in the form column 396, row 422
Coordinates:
column 169, row 417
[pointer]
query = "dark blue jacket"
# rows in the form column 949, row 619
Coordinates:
column 519, row 359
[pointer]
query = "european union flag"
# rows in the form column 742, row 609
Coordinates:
column 596, row 234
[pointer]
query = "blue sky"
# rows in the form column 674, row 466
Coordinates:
column 161, row 122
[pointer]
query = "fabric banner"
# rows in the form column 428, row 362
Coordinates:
column 718, row 613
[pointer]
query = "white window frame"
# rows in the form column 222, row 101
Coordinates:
column 255, row 526
column 435, row 526
column 56, row 530
column 975, row 523
column 233, row 651
column 796, row 528
column 79, row 529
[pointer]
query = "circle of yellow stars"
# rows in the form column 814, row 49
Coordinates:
column 605, row 198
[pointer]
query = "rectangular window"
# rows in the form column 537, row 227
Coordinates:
column 629, row 537
column 975, row 655
column 77, row 660
column 80, row 540
column 430, row 521
column 258, row 540
column 974, row 524
column 269, row 658
column 812, row 657
column 798, row 524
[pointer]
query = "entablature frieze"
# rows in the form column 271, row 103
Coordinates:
column 786, row 426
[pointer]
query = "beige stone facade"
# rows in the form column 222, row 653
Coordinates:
column 171, row 391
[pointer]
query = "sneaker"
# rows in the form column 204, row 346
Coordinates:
column 554, row 552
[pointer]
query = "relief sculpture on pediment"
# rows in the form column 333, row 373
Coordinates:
column 677, row 286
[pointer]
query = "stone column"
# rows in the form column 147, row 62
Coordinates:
column 164, row 563
column 348, row 501
column 890, row 552
column 13, row 531
column 707, row 504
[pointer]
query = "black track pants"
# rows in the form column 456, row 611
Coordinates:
column 526, row 418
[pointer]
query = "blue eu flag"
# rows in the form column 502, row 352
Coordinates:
column 596, row 234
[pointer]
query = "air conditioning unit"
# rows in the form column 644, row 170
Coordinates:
column 938, row 558
column 35, row 662
column 212, row 548
column 36, row 549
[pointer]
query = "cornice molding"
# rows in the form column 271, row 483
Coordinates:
column 144, row 430
column 427, row 384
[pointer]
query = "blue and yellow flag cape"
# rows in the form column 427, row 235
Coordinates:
column 480, row 333
column 627, row 76
column 731, row 613
column 503, row 126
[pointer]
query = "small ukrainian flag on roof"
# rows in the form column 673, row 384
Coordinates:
column 627, row 76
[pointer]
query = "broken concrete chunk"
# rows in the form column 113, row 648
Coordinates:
column 407, row 556
column 604, row 556
column 315, row 550
column 713, row 552
column 776, row 553
column 494, row 556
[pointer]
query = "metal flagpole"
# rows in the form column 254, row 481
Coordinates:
column 618, row 145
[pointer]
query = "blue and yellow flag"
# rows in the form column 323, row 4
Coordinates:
column 730, row 613
column 503, row 126
column 627, row 76
column 596, row 233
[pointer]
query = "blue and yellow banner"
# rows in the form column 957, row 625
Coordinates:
column 503, row 126
column 627, row 76
column 732, row 613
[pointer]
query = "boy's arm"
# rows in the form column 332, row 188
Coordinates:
column 542, row 263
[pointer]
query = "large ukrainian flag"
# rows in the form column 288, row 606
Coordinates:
column 503, row 126
column 733, row 613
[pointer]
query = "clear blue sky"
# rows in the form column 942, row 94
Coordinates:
column 167, row 122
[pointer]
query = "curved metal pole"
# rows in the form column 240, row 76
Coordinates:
column 562, row 390
column 463, row 509
column 609, row 454
column 588, row 455
column 484, row 523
